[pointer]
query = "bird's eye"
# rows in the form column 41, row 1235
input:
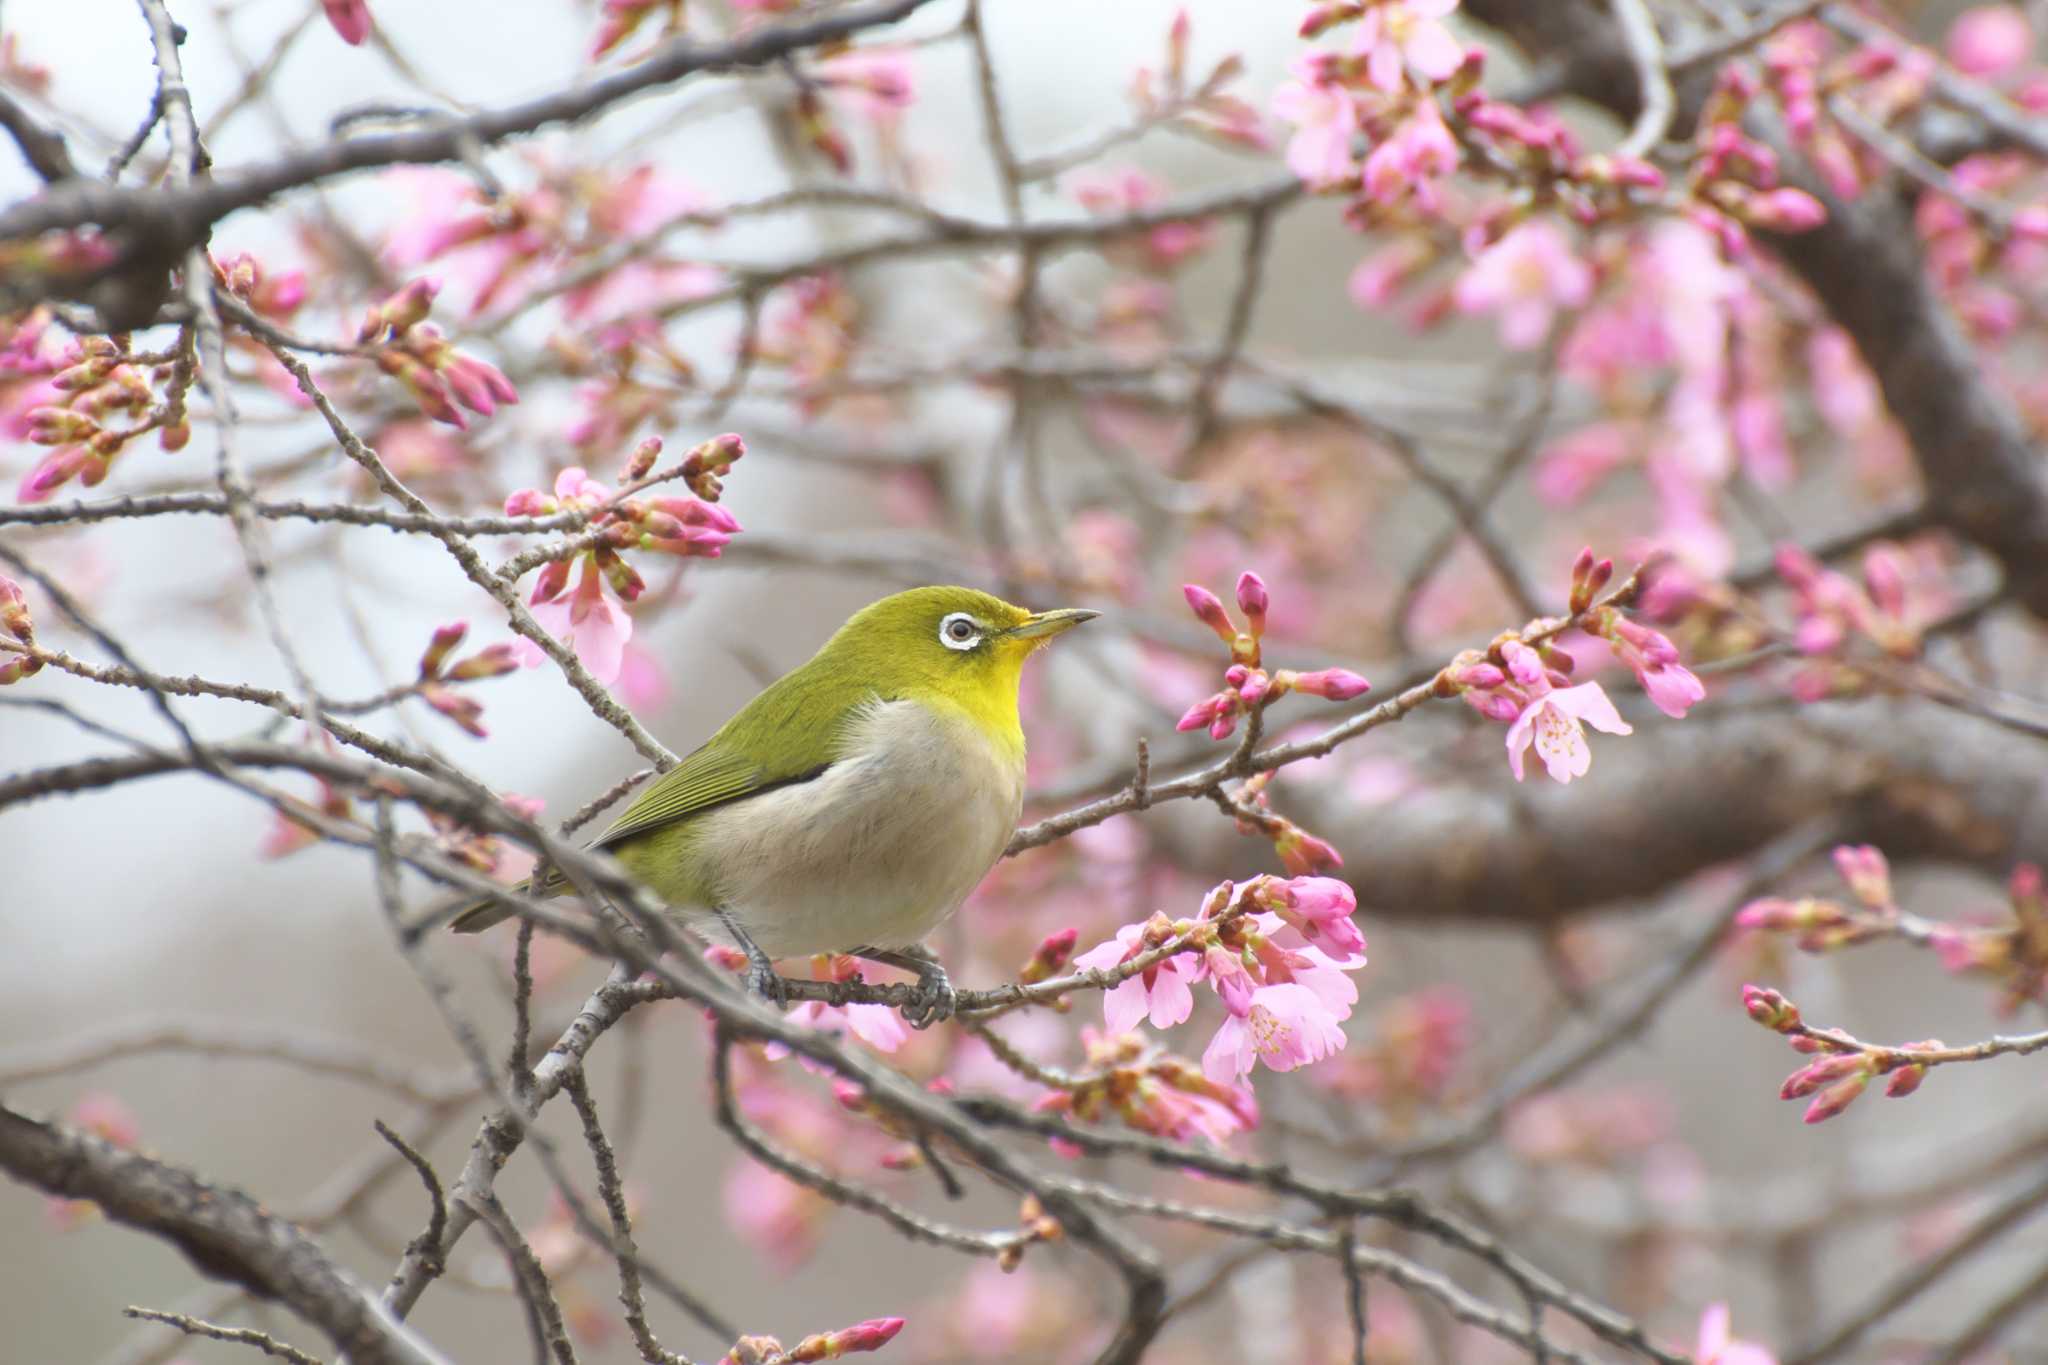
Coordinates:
column 959, row 631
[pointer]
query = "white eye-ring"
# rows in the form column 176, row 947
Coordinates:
column 960, row 631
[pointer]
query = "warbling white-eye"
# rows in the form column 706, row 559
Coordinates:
column 854, row 803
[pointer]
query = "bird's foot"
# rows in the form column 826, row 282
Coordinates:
column 761, row 978
column 933, row 999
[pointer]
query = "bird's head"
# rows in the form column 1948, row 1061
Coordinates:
column 954, row 643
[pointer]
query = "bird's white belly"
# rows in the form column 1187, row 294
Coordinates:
column 878, row 849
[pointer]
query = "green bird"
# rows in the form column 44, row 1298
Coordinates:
column 856, row 802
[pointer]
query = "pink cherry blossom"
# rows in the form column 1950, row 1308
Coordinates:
column 1413, row 160
column 589, row 621
column 1717, row 1347
column 881, row 1027
column 1159, row 993
column 1411, row 33
column 1552, row 722
column 1285, row 1026
column 1325, row 120
column 1526, row 277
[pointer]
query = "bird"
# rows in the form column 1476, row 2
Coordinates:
column 854, row 803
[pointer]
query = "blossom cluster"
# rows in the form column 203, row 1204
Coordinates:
column 415, row 353
column 1528, row 686
column 436, row 674
column 87, row 400
column 592, row 621
column 1888, row 613
column 18, row 627
column 1248, row 687
column 1842, row 1068
column 1275, row 952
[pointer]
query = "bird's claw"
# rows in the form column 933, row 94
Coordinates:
column 761, row 979
column 932, row 1001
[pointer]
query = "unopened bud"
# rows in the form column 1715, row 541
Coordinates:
column 1836, row 1098
column 1252, row 600
column 1770, row 1008
column 642, row 460
column 1051, row 955
column 1208, row 608
column 443, row 643
column 492, row 661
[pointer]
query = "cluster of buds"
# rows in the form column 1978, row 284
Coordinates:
column 683, row 527
column 1824, row 924
column 413, row 351
column 871, row 1335
column 1300, row 852
column 436, row 675
column 2015, row 955
column 1647, row 653
column 1127, row 1077
column 277, row 295
column 1208, row 109
column 1842, row 1067
column 665, row 525
column 16, row 624
column 1248, row 688
column 102, row 379
column 1891, row 610
column 1734, row 181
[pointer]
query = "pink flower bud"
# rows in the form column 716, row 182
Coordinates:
column 1868, row 875
column 691, row 512
column 477, row 384
column 1203, row 712
column 548, row 584
column 1333, row 684
column 1829, row 1069
column 492, row 661
column 350, row 18
column 463, row 710
column 1836, row 1098
column 54, row 426
column 1904, row 1081
column 1483, row 676
column 1051, row 955
column 1252, row 600
column 1208, row 607
column 1785, row 210
column 14, row 617
column 705, row 463
column 444, row 641
column 529, row 502
column 1303, row 854
column 871, row 1335
column 403, row 310
column 1770, row 1008
column 642, row 460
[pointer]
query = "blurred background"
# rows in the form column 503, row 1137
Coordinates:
column 172, row 902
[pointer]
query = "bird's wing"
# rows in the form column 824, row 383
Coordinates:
column 705, row 779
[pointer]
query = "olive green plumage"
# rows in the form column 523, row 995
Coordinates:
column 858, row 798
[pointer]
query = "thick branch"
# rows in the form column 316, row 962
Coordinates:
column 224, row 1232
